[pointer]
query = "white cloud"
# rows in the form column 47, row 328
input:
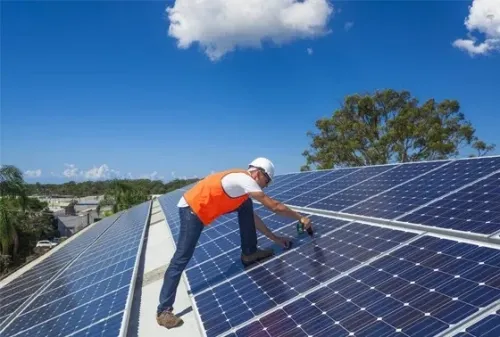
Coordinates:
column 220, row 26
column 71, row 171
column 101, row 172
column 484, row 17
column 33, row 173
column 104, row 172
column 310, row 51
column 348, row 25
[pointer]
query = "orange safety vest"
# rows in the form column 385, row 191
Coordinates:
column 208, row 200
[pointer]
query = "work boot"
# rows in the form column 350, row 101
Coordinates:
column 257, row 256
column 168, row 319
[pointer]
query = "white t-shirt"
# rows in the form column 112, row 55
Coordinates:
column 235, row 185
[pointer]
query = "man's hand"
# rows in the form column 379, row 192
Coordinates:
column 282, row 241
column 306, row 222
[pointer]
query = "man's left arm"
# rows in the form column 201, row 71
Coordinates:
column 261, row 226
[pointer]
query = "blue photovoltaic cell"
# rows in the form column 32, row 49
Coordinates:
column 418, row 290
column 473, row 209
column 16, row 292
column 93, row 288
column 282, row 179
column 301, row 179
column 280, row 182
column 415, row 193
column 287, row 276
column 373, row 186
column 228, row 264
column 330, row 176
column 319, row 190
column 487, row 327
column 107, row 328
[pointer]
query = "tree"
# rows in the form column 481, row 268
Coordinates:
column 389, row 126
column 9, row 240
column 12, row 190
column 122, row 195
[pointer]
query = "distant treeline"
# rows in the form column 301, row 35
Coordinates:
column 81, row 189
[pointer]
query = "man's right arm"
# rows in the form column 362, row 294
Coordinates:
column 279, row 208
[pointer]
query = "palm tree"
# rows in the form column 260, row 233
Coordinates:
column 11, row 187
column 8, row 233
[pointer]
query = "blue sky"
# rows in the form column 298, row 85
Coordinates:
column 87, row 84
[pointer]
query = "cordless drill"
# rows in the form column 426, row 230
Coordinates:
column 300, row 229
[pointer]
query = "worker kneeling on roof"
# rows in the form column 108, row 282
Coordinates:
column 211, row 197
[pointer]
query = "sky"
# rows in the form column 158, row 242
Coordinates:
column 170, row 89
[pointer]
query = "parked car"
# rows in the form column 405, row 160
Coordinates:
column 46, row 244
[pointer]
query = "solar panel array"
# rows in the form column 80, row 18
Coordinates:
column 363, row 273
column 82, row 289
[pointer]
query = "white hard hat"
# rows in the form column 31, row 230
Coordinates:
column 265, row 164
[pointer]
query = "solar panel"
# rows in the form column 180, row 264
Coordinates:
column 328, row 177
column 94, row 288
column 420, row 289
column 218, row 268
column 299, row 179
column 19, row 290
column 320, row 189
column 435, row 184
column 285, row 277
column 354, row 277
column 374, row 185
column 473, row 209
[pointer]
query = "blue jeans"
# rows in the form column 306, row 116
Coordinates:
column 190, row 231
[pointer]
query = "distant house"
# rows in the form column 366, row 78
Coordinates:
column 71, row 224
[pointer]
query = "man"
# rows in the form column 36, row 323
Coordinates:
column 211, row 197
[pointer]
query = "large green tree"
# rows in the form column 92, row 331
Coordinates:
column 390, row 125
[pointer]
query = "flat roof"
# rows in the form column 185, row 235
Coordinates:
column 158, row 249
